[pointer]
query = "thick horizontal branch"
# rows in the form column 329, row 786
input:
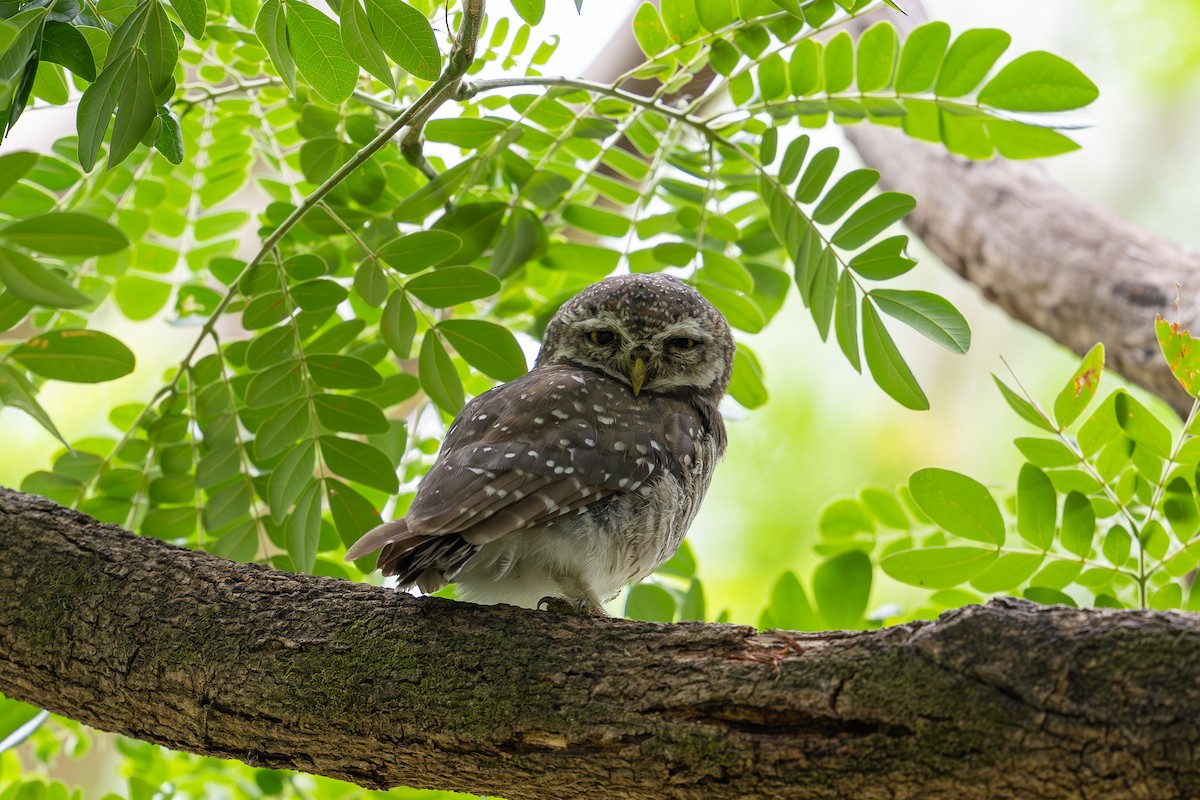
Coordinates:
column 181, row 648
column 1065, row 266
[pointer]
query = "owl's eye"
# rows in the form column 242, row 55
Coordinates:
column 603, row 337
column 682, row 343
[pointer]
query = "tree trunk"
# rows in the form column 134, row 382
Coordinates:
column 129, row 634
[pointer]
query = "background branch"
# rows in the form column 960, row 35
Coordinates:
column 1074, row 271
column 129, row 634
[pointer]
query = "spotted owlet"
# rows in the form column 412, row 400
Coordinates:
column 583, row 475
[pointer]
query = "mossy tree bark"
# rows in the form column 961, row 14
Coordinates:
column 181, row 648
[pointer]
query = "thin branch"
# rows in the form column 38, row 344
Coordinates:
column 447, row 86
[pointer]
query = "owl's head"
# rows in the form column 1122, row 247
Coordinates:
column 652, row 332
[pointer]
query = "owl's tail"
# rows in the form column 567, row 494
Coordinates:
column 377, row 537
column 427, row 562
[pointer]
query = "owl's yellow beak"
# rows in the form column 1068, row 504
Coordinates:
column 637, row 375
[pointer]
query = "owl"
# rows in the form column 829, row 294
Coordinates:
column 583, row 475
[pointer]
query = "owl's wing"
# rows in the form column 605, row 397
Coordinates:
column 550, row 443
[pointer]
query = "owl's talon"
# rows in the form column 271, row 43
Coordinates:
column 560, row 605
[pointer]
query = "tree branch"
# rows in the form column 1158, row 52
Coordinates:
column 1064, row 266
column 129, row 634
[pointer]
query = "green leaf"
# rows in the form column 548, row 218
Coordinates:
column 921, row 58
column 360, row 42
column 75, row 355
column 883, row 260
column 845, row 323
column 789, row 607
column 96, row 107
column 969, row 59
column 1182, row 353
column 271, row 28
column 302, row 530
column 1141, row 425
column 959, row 505
column 716, row 14
column 845, row 193
column 417, row 251
column 842, row 587
column 136, row 110
column 1037, row 508
column 938, row 567
column 724, row 57
column 289, row 479
column 162, row 50
column 348, row 414
column 28, row 280
column 1025, row 409
column 287, row 424
column 680, row 20
column 884, row 506
column 65, row 233
column 398, row 325
column 406, row 36
column 1008, row 572
column 839, row 63
column 275, row 384
column 1046, row 453
column 13, row 167
column 522, row 239
column 886, row 364
column 352, row 513
column 1020, row 140
column 452, row 285
column 530, row 10
column 140, row 298
column 228, row 504
column 844, row 519
column 438, row 376
column 816, row 175
column 434, row 194
column 341, row 372
column 62, row 43
column 319, row 294
column 1073, row 400
column 17, row 392
column 1038, row 81
column 931, row 316
column 1117, row 546
column 191, row 14
column 649, row 603
column 466, row 132
column 747, row 385
column 1078, row 524
column 872, row 218
column 170, row 136
column 359, row 462
column 169, row 523
column 316, row 45
column 649, row 31
column 876, row 57
column 486, row 346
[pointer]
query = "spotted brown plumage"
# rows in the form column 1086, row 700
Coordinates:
column 584, row 474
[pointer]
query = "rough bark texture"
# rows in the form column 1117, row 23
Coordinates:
column 132, row 635
column 1051, row 259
